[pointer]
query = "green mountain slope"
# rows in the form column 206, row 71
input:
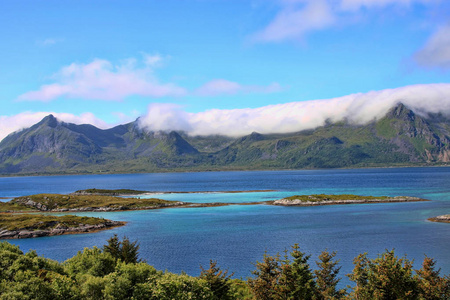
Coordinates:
column 402, row 137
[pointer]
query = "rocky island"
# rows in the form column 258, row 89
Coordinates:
column 322, row 199
column 18, row 226
column 443, row 219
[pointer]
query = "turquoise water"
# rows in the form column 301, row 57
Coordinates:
column 182, row 239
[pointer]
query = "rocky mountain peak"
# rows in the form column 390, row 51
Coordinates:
column 49, row 121
column 401, row 111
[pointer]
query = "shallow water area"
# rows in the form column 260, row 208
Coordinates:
column 218, row 197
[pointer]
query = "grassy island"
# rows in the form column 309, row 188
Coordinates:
column 322, row 199
column 13, row 207
column 35, row 225
column 58, row 202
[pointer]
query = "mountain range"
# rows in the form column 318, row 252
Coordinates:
column 401, row 138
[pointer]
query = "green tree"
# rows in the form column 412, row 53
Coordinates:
column 181, row 287
column 297, row 280
column 327, row 277
column 385, row 277
column 431, row 285
column 123, row 282
column 113, row 246
column 90, row 261
column 218, row 280
column 64, row 287
column 288, row 278
column 267, row 274
column 124, row 250
column 91, row 287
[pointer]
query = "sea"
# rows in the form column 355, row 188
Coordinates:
column 237, row 236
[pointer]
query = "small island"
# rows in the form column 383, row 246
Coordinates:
column 322, row 199
column 18, row 226
column 76, row 203
column 442, row 219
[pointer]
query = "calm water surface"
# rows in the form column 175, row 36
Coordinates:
column 182, row 239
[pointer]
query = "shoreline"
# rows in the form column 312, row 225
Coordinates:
column 81, row 173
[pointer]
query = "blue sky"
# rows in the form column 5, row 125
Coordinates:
column 187, row 64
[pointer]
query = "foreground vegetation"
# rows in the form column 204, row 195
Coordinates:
column 116, row 272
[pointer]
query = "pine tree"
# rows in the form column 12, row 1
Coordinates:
column 113, row 246
column 129, row 251
column 431, row 285
column 217, row 279
column 124, row 250
column 297, row 276
column 265, row 285
column 386, row 277
column 327, row 277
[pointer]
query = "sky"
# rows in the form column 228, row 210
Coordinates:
column 221, row 66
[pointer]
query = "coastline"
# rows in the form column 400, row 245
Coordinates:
column 159, row 171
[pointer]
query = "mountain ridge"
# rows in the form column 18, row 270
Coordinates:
column 400, row 138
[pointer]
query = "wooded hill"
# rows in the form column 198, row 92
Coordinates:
column 400, row 138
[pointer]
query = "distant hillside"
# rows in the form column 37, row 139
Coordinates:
column 402, row 137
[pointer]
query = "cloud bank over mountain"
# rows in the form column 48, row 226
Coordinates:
column 295, row 116
column 280, row 118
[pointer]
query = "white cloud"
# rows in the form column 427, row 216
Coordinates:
column 297, row 18
column 101, row 80
column 293, row 22
column 358, row 4
column 9, row 124
column 225, row 87
column 152, row 60
column 436, row 51
column 165, row 117
column 290, row 117
column 49, row 41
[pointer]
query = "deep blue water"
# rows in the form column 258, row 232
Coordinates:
column 182, row 239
